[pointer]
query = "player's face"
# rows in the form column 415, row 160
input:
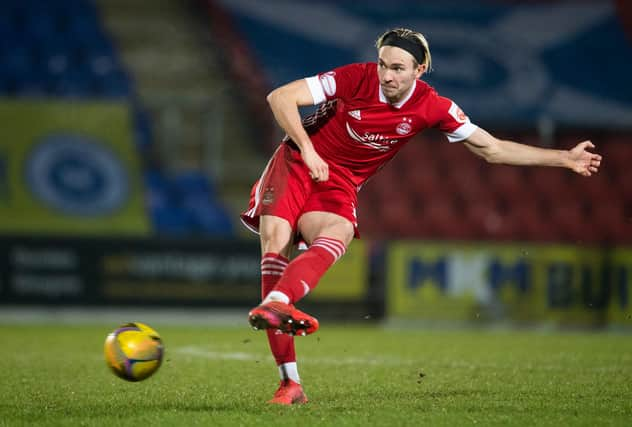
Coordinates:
column 397, row 72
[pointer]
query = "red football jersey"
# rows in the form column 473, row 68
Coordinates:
column 358, row 131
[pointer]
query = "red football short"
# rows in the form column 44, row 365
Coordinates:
column 286, row 190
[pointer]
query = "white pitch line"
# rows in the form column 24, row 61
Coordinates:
column 205, row 353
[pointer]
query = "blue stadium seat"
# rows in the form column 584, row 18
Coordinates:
column 65, row 41
column 115, row 84
column 170, row 220
column 8, row 28
column 55, row 56
column 39, row 25
column 32, row 83
column 208, row 217
column 143, row 135
column 193, row 184
column 198, row 198
column 82, row 27
column 73, row 83
column 185, row 205
column 17, row 60
column 165, row 215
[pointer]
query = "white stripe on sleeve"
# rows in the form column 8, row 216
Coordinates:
column 318, row 94
column 462, row 132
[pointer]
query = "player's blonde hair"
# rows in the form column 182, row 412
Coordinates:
column 412, row 36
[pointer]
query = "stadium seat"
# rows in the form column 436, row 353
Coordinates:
column 508, row 181
column 598, row 189
column 531, row 217
column 73, row 83
column 195, row 194
column 115, row 84
column 491, row 222
column 166, row 217
column 423, row 181
column 143, row 135
column 17, row 60
column 609, row 220
column 571, row 218
column 192, row 184
column 32, row 84
column 63, row 44
column 208, row 217
column 467, row 182
column 39, row 25
column 439, row 217
column 397, row 221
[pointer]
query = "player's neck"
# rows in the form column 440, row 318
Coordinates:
column 400, row 100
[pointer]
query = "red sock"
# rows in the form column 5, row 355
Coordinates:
column 304, row 272
column 281, row 345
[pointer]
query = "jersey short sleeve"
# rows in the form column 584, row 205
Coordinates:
column 339, row 83
column 452, row 121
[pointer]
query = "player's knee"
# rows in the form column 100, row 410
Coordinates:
column 274, row 241
column 344, row 233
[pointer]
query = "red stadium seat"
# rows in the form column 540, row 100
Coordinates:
column 424, row 181
column 616, row 155
column 533, row 221
column 508, row 182
column 597, row 189
column 552, row 185
column 467, row 181
column 609, row 219
column 571, row 219
column 435, row 190
column 438, row 217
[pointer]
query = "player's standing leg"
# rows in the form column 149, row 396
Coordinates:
column 276, row 237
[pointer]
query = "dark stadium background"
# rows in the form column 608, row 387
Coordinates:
column 132, row 131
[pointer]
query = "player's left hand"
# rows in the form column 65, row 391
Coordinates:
column 584, row 162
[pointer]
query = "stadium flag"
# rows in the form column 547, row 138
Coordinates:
column 69, row 168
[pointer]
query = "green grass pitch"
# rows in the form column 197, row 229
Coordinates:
column 354, row 376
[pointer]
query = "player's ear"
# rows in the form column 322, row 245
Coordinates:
column 421, row 69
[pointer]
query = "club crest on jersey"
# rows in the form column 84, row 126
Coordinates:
column 268, row 196
column 355, row 114
column 404, row 127
column 328, row 82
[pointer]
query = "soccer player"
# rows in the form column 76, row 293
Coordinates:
column 367, row 113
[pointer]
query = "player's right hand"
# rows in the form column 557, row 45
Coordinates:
column 583, row 161
column 318, row 168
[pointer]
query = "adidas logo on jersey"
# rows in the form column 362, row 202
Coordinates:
column 355, row 114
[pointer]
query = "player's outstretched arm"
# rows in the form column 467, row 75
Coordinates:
column 496, row 150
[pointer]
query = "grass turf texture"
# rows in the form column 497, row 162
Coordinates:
column 354, row 376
